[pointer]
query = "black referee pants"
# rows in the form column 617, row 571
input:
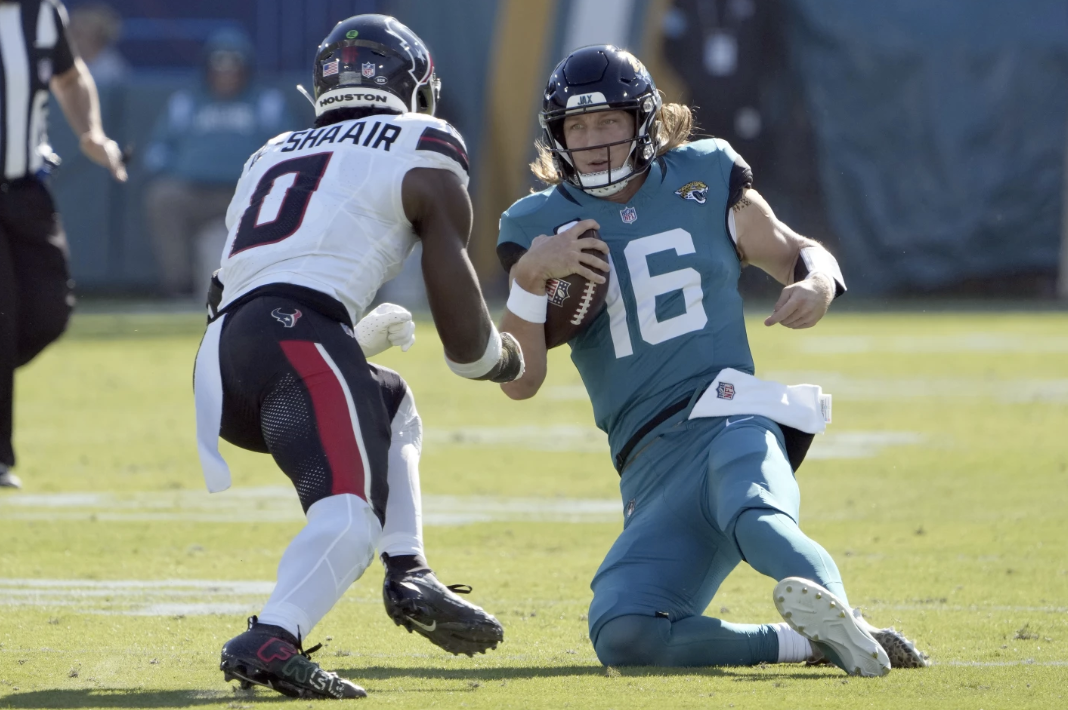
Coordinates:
column 35, row 287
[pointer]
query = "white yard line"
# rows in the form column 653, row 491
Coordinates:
column 588, row 439
column 279, row 504
column 881, row 389
column 996, row 664
column 192, row 597
column 961, row 343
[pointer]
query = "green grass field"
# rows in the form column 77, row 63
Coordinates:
column 940, row 489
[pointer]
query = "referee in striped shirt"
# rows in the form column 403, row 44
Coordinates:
column 35, row 287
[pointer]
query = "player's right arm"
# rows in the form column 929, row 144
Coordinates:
column 548, row 258
column 436, row 203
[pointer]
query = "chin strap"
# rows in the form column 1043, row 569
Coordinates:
column 587, row 182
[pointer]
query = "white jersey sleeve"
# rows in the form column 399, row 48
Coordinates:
column 322, row 208
column 436, row 144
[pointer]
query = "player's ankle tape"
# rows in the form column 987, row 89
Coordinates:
column 528, row 306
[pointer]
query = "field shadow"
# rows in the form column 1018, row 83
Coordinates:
column 139, row 698
column 522, row 672
column 133, row 698
column 471, row 674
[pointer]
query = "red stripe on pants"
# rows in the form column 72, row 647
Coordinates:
column 331, row 416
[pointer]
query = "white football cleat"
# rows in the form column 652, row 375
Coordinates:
column 8, row 479
column 830, row 625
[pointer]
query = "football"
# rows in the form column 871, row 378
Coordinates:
column 574, row 302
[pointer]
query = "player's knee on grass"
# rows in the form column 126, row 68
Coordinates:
column 632, row 640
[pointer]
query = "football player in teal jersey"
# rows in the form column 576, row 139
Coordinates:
column 678, row 220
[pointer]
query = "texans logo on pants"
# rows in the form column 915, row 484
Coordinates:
column 287, row 319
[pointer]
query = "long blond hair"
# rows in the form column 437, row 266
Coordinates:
column 674, row 124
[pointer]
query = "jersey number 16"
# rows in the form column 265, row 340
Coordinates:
column 646, row 288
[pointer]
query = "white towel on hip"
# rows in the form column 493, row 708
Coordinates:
column 208, row 395
column 803, row 407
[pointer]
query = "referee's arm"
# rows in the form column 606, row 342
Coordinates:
column 76, row 92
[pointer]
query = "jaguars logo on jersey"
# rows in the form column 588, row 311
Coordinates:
column 696, row 191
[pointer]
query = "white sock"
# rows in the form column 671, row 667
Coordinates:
column 402, row 533
column 793, row 647
column 327, row 556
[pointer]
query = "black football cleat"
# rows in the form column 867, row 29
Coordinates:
column 417, row 601
column 270, row 656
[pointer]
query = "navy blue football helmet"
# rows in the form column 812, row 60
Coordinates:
column 374, row 61
column 600, row 78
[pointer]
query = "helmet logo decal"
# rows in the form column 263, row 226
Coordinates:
column 585, row 99
column 629, row 215
column 400, row 71
column 696, row 191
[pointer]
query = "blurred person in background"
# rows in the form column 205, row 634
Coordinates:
column 197, row 150
column 35, row 286
column 94, row 29
column 732, row 57
column 728, row 52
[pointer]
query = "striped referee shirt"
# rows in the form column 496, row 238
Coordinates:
column 33, row 48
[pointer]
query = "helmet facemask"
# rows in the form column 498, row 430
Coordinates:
column 643, row 146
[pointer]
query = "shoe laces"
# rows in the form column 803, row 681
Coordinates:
column 460, row 588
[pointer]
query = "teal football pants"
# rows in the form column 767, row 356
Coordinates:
column 702, row 497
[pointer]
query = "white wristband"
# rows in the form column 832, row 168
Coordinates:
column 484, row 364
column 528, row 306
column 818, row 260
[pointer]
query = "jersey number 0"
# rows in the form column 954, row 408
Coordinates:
column 296, row 180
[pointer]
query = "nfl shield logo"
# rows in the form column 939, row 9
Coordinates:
column 368, row 69
column 629, row 215
column 557, row 291
column 725, row 390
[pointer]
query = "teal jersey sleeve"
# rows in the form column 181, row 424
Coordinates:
column 520, row 224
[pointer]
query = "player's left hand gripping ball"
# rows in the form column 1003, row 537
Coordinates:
column 384, row 327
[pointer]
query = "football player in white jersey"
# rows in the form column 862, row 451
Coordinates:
column 320, row 219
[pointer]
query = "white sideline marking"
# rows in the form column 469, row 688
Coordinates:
column 881, row 389
column 995, row 664
column 960, row 607
column 962, row 343
column 848, row 388
column 562, row 437
column 279, row 504
column 189, row 597
column 587, row 439
column 171, row 597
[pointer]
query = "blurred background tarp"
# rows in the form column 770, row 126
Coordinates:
column 923, row 141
